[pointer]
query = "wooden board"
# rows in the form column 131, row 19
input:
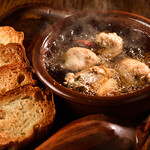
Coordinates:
column 140, row 7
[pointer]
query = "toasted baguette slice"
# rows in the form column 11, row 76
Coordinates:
column 12, row 53
column 9, row 35
column 15, row 75
column 25, row 114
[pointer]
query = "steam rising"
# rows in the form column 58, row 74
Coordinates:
column 136, row 42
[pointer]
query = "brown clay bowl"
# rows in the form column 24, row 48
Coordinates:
column 121, row 22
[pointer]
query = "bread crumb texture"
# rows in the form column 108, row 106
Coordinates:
column 23, row 112
column 12, row 53
column 26, row 112
column 15, row 75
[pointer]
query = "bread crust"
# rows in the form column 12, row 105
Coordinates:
column 9, row 35
column 26, row 113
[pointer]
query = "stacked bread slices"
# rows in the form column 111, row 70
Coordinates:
column 26, row 111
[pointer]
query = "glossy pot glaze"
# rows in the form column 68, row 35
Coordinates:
column 98, row 132
column 128, row 105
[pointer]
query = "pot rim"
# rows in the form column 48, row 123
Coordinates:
column 77, row 97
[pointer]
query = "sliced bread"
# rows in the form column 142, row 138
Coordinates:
column 12, row 53
column 15, row 75
column 26, row 113
column 9, row 35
